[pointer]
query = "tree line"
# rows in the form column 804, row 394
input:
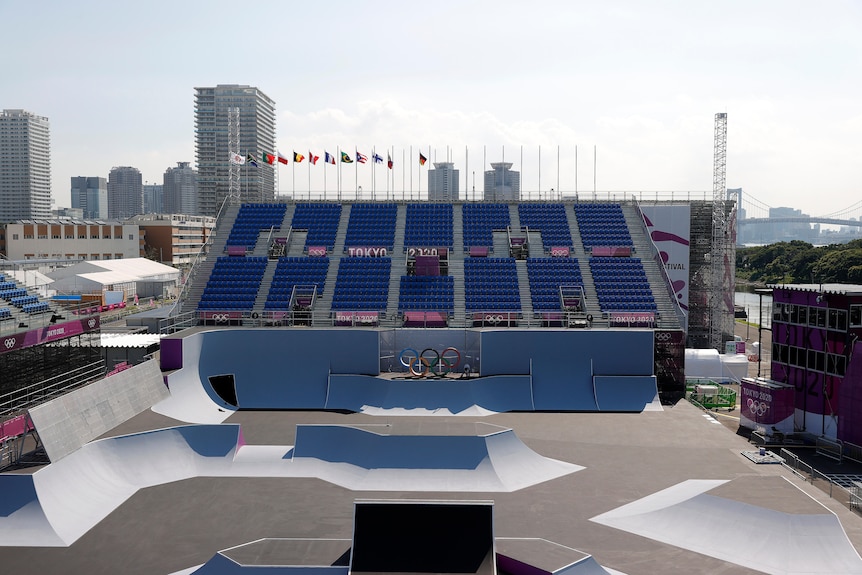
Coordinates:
column 800, row 262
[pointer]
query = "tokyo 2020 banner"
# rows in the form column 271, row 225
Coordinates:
column 48, row 333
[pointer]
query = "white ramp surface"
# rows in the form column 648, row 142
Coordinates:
column 688, row 516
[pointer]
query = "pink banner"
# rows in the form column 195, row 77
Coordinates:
column 413, row 252
column 347, row 318
column 478, row 252
column 49, row 333
column 316, row 251
column 766, row 405
column 236, row 250
column 502, row 319
column 559, row 252
column 368, row 251
column 220, row 316
column 632, row 319
column 611, row 251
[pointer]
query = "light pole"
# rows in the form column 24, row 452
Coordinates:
column 760, row 292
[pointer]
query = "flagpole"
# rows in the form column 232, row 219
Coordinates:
column 484, row 163
column 338, row 159
column 373, row 171
column 411, row 173
column 504, row 170
column 594, row 171
column 293, row 175
column 325, row 163
column 522, row 172
column 558, row 171
column 540, row 172
column 576, row 171
column 310, row 157
column 467, row 172
column 356, row 173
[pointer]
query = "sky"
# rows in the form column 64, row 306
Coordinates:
column 628, row 86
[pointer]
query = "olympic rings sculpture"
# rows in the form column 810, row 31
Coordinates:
column 430, row 360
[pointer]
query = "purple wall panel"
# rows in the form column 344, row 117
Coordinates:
column 171, row 353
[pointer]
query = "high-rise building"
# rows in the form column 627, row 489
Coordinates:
column 153, row 199
column 443, row 182
column 502, row 184
column 125, row 192
column 25, row 166
column 181, row 190
column 90, row 195
column 256, row 136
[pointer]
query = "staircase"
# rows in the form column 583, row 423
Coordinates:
column 524, row 289
column 200, row 273
column 399, row 257
column 265, row 284
column 591, row 305
column 644, row 249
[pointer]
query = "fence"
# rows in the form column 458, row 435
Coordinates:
column 26, row 397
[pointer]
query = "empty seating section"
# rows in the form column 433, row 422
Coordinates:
column 233, row 283
column 550, row 219
column 546, row 275
column 491, row 284
column 35, row 307
column 602, row 225
column 5, row 313
column 621, row 284
column 9, row 290
column 292, row 271
column 251, row 219
column 362, row 284
column 480, row 221
column 428, row 225
column 371, row 225
column 321, row 221
column 427, row 293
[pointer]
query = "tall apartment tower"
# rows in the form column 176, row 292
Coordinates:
column 256, row 137
column 181, row 190
column 25, row 166
column 443, row 182
column 153, row 199
column 502, row 184
column 90, row 195
column 125, row 193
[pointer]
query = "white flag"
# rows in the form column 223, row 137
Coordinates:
column 237, row 159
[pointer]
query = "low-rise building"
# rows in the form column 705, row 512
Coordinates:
column 174, row 239
column 70, row 240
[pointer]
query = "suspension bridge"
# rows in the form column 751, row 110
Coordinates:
column 752, row 211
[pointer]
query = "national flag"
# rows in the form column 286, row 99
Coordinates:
column 328, row 158
column 377, row 159
column 389, row 163
column 269, row 158
column 361, row 158
column 236, row 159
column 345, row 158
column 298, row 157
column 281, row 158
column 312, row 158
column 251, row 160
column 422, row 159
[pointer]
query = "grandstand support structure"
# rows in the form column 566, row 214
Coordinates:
column 234, row 189
column 722, row 245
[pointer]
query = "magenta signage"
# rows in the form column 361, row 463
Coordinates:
column 413, row 252
column 611, row 251
column 766, row 406
column 559, row 252
column 316, row 251
column 343, row 318
column 49, row 333
column 220, row 316
column 632, row 319
column 368, row 251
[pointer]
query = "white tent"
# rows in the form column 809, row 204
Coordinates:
column 709, row 364
column 101, row 275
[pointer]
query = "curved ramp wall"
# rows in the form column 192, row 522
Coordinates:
column 561, row 370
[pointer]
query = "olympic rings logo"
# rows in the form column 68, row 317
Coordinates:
column 9, row 342
column 662, row 335
column 91, row 323
column 757, row 407
column 430, row 360
column 493, row 319
column 219, row 317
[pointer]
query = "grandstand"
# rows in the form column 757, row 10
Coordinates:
column 407, row 387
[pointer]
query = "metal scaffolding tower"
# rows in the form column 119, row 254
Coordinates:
column 234, row 186
column 722, row 250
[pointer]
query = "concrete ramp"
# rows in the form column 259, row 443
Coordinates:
column 59, row 503
column 721, row 520
column 408, row 396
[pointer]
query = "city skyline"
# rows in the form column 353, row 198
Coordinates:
column 638, row 83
